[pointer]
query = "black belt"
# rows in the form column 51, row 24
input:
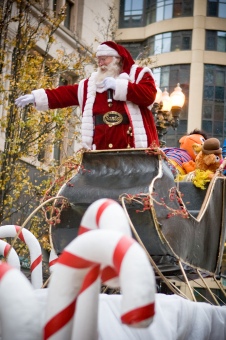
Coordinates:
column 111, row 118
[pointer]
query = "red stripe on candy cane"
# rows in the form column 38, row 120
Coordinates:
column 73, row 261
column 59, row 320
column 101, row 210
column 53, row 262
column 36, row 262
column 90, row 278
column 4, row 268
column 78, row 263
column 82, row 230
column 21, row 236
column 6, row 250
column 139, row 314
column 34, row 247
column 108, row 273
column 120, row 251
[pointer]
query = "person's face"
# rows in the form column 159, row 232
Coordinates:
column 104, row 60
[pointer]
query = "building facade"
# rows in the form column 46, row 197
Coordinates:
column 186, row 41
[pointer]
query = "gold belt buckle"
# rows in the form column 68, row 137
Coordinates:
column 112, row 118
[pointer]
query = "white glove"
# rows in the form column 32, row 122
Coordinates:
column 109, row 83
column 25, row 100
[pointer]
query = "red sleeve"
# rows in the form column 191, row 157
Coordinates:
column 143, row 93
column 63, row 96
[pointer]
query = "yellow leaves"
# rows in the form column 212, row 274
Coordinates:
column 31, row 134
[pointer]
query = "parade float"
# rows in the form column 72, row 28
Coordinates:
column 121, row 228
column 124, row 224
column 181, row 227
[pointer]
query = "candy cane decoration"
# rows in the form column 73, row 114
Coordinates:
column 13, row 259
column 19, row 309
column 53, row 257
column 78, row 269
column 34, row 247
column 102, row 214
column 105, row 214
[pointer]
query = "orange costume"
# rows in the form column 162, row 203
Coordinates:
column 183, row 158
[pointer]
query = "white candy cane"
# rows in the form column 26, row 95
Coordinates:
column 19, row 308
column 78, row 268
column 107, row 214
column 53, row 257
column 13, row 259
column 34, row 248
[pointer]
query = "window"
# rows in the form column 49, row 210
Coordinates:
column 216, row 41
column 136, row 50
column 170, row 41
column 55, row 6
column 168, row 77
column 137, row 13
column 214, row 106
column 216, row 8
column 69, row 6
column 131, row 13
column 168, row 9
column 160, row 43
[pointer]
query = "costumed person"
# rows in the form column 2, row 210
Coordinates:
column 207, row 162
column 183, row 159
column 115, row 101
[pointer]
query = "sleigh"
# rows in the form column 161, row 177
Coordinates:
column 181, row 227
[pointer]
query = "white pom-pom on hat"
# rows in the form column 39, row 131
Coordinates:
column 105, row 50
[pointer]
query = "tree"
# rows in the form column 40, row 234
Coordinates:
column 27, row 135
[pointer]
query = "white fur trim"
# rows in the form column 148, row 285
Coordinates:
column 142, row 72
column 139, row 133
column 87, row 117
column 121, row 89
column 133, row 72
column 140, row 76
column 140, row 136
column 105, row 50
column 41, row 100
column 80, row 92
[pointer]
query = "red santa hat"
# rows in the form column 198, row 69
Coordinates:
column 110, row 48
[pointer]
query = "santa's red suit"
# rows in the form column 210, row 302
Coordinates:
column 133, row 96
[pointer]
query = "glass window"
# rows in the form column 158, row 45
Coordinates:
column 131, row 13
column 137, row 13
column 166, row 42
column 168, row 10
column 164, row 10
column 67, row 20
column 54, row 6
column 170, row 41
column 221, row 41
column 216, row 41
column 216, row 8
column 207, row 111
column 160, row 43
column 160, row 11
column 214, row 106
column 222, row 9
column 137, row 50
column 219, row 113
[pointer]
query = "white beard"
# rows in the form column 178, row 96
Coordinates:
column 111, row 70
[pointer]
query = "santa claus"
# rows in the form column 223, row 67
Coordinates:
column 115, row 101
